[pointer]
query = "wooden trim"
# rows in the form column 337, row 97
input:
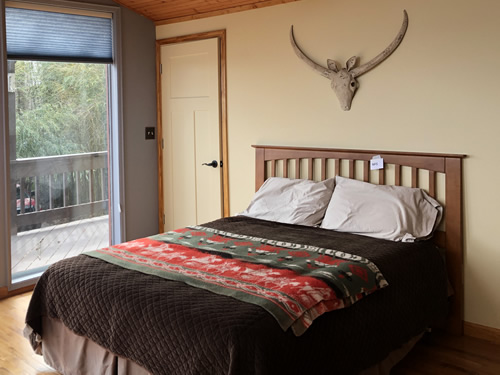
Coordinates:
column 397, row 175
column 5, row 293
column 366, row 171
column 191, row 38
column 323, row 168
column 234, row 9
column 433, row 162
column 63, row 214
column 414, row 177
column 351, row 168
column 454, row 242
column 221, row 36
column 159, row 141
column 449, row 164
column 223, row 114
column 381, row 176
column 51, row 165
column 260, row 166
column 482, row 332
column 432, row 184
column 356, row 151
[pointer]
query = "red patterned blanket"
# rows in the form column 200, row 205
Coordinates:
column 294, row 283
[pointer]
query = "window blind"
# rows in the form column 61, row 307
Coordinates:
column 51, row 36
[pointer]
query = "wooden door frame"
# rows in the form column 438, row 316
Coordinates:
column 221, row 37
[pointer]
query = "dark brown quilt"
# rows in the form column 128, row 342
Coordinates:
column 172, row 328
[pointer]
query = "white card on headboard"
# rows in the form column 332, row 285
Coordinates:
column 376, row 163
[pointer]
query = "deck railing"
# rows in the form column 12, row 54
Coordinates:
column 57, row 189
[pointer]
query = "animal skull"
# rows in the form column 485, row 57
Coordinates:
column 343, row 81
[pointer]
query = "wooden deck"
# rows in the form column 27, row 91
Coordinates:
column 38, row 248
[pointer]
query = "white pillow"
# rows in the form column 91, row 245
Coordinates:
column 394, row 213
column 291, row 201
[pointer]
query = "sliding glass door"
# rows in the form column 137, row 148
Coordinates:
column 63, row 134
column 59, row 162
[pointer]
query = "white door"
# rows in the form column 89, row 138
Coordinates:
column 191, row 133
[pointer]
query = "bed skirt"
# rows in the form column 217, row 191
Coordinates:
column 70, row 354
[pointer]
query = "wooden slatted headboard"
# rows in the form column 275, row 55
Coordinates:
column 442, row 174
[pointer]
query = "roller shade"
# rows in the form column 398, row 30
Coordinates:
column 50, row 36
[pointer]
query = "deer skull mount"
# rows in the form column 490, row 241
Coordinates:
column 343, row 81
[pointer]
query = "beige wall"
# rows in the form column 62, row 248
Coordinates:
column 438, row 92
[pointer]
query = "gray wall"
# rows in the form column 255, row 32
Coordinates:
column 139, row 111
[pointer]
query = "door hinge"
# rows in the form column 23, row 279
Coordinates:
column 161, row 68
column 163, row 219
column 162, row 144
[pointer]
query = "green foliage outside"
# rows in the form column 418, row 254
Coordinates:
column 61, row 108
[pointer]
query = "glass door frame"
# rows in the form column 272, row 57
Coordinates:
column 115, row 139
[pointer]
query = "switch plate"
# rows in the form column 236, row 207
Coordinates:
column 150, row 133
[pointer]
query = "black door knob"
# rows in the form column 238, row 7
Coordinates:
column 212, row 164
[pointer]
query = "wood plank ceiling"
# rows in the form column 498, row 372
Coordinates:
column 170, row 11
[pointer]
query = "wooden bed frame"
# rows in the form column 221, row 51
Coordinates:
column 318, row 164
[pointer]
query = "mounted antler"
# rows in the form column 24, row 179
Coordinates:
column 343, row 81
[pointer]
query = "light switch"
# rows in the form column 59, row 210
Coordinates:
column 150, row 133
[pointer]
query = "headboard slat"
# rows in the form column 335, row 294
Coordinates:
column 323, row 168
column 432, row 184
column 351, row 168
column 397, row 175
column 381, row 176
column 414, row 177
column 337, row 167
column 366, row 171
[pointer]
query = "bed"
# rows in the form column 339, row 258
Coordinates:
column 92, row 316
